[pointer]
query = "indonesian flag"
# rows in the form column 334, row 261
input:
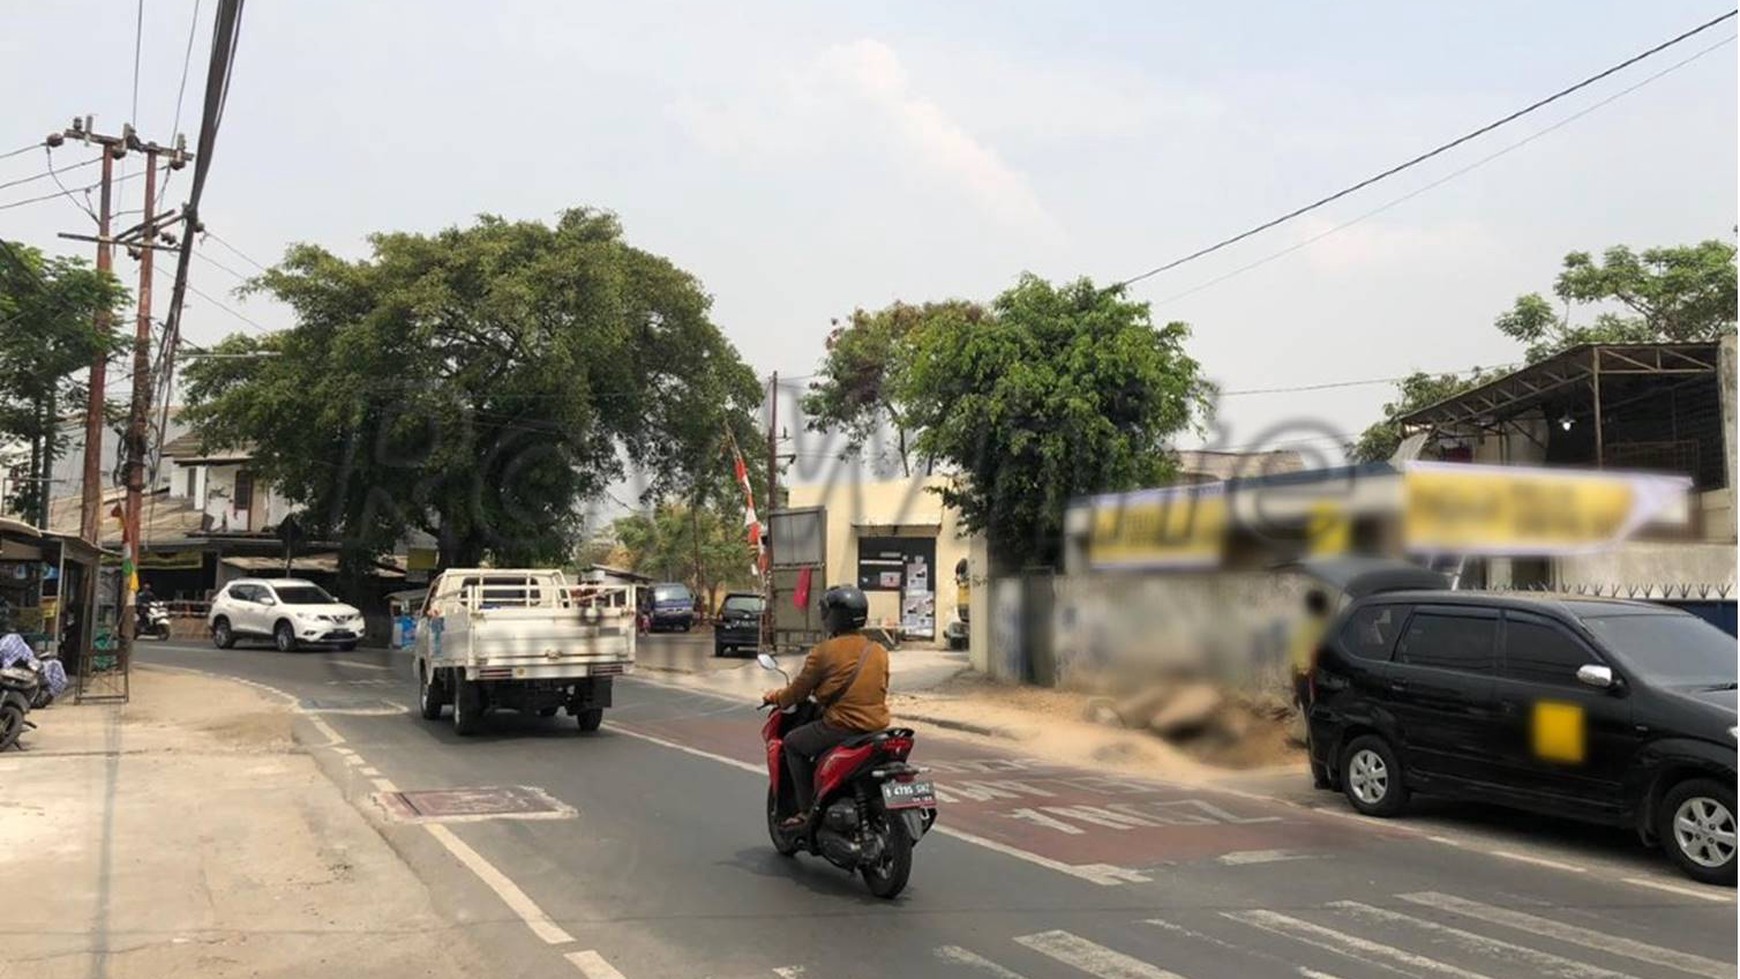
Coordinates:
column 750, row 520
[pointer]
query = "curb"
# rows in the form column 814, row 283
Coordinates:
column 964, row 726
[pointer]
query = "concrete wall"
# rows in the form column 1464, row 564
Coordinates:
column 1639, row 564
column 1111, row 628
column 896, row 507
column 215, row 488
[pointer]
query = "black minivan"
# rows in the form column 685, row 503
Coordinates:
column 1602, row 710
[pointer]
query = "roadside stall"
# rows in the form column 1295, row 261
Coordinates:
column 60, row 594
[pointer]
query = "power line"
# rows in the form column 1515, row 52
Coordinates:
column 202, row 256
column 20, row 151
column 1437, row 151
column 138, row 47
column 180, row 94
column 1519, row 144
column 221, row 305
column 236, row 251
column 86, row 206
column 50, row 171
column 1360, row 383
column 65, row 193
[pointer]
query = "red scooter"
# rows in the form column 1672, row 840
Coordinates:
column 871, row 807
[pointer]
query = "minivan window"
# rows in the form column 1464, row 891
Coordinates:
column 672, row 593
column 1540, row 653
column 1370, row 633
column 1449, row 642
column 1668, row 648
column 742, row 603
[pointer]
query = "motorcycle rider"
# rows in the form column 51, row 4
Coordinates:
column 142, row 602
column 848, row 674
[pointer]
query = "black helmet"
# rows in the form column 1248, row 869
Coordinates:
column 844, row 608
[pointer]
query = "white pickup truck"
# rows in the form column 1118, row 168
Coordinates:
column 528, row 640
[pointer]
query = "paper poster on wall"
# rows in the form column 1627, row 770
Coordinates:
column 917, row 576
column 889, row 579
column 918, row 614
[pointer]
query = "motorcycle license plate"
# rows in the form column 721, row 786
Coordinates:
column 908, row 795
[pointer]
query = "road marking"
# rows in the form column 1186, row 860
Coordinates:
column 1098, row 873
column 510, row 893
column 1095, row 960
column 1573, row 934
column 1314, row 974
column 1546, row 962
column 1341, row 943
column 1230, row 947
column 789, row 971
column 360, row 666
column 592, row 965
column 1662, row 885
column 1241, row 857
column 961, row 956
column 1537, row 861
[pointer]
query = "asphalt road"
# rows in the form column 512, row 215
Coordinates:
column 655, row 861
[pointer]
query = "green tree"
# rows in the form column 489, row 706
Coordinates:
column 1053, row 393
column 1418, row 390
column 856, row 389
column 48, row 309
column 663, row 544
column 479, row 384
column 1685, row 293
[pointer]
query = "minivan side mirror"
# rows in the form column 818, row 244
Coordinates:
column 1599, row 677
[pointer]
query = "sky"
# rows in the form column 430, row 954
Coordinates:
column 806, row 159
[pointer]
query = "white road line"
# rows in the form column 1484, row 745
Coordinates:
column 1587, row 937
column 361, row 666
column 1242, row 857
column 1537, row 861
column 1095, row 960
column 961, row 956
column 592, row 965
column 1103, row 874
column 1702, row 895
column 1352, row 946
column 510, row 893
column 1222, row 943
column 1547, row 963
column 789, row 971
column 1314, row 974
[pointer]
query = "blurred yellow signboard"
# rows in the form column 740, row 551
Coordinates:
column 1458, row 508
column 1160, row 529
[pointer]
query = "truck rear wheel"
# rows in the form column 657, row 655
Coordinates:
column 430, row 696
column 467, row 705
column 591, row 718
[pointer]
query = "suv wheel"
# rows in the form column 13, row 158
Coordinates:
column 1696, row 825
column 221, row 636
column 284, row 637
column 1372, row 777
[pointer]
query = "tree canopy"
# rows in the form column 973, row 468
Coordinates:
column 479, row 384
column 1685, row 293
column 48, row 336
column 663, row 543
column 1051, row 393
column 857, row 389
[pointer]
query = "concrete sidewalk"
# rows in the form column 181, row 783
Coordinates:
column 184, row 834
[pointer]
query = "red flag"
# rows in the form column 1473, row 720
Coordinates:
column 800, row 596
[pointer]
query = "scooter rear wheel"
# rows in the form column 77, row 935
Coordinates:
column 782, row 843
column 11, row 725
column 888, row 878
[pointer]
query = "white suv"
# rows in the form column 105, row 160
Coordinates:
column 289, row 611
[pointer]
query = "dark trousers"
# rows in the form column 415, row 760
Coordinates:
column 802, row 745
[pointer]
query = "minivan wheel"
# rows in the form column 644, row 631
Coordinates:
column 1696, row 825
column 1372, row 777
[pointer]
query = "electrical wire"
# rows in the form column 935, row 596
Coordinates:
column 202, row 256
column 1361, row 383
column 1429, row 154
column 236, row 251
column 64, row 193
column 20, row 151
column 180, row 95
column 49, row 172
column 86, row 206
column 1519, row 144
column 138, row 48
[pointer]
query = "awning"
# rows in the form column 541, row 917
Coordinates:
column 307, row 564
column 1358, row 577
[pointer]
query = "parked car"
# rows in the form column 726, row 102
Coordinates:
column 739, row 623
column 1606, row 711
column 289, row 611
column 673, row 607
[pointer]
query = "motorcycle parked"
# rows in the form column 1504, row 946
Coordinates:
column 19, row 684
column 871, row 807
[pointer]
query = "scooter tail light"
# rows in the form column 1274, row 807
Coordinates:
column 899, row 747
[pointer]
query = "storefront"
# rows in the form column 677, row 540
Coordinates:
column 60, row 593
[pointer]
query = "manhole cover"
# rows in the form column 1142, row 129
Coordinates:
column 453, row 805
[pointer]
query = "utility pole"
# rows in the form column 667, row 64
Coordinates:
column 142, row 239
column 114, row 148
column 773, row 447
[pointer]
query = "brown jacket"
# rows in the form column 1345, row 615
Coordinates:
column 864, row 707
